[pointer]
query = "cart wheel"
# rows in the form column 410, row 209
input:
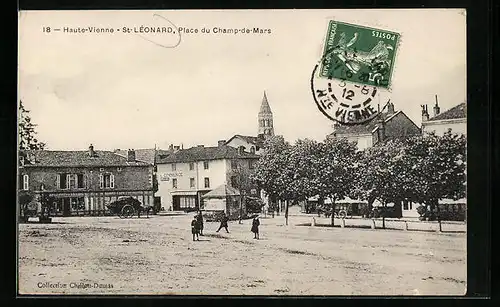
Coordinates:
column 342, row 214
column 127, row 211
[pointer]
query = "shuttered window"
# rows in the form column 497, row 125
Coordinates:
column 26, row 180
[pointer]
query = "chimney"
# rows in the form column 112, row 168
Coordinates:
column 91, row 151
column 171, row 147
column 436, row 108
column 221, row 143
column 425, row 114
column 176, row 148
column 390, row 108
column 131, row 155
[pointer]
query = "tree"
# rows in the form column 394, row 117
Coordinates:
column 438, row 168
column 335, row 165
column 271, row 172
column 27, row 132
column 383, row 174
column 241, row 180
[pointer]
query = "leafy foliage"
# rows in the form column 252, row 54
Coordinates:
column 27, row 132
column 437, row 167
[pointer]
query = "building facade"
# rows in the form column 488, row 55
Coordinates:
column 454, row 119
column 388, row 125
column 84, row 182
column 185, row 175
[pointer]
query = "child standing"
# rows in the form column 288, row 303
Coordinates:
column 195, row 229
column 255, row 227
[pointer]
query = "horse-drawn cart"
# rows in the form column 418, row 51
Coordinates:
column 126, row 207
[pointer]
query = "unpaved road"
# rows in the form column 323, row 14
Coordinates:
column 108, row 255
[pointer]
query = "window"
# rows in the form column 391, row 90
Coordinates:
column 234, row 181
column 79, row 181
column 106, row 181
column 101, row 169
column 205, row 164
column 191, row 166
column 174, row 183
column 21, row 160
column 26, row 180
column 234, row 164
column 187, row 202
column 191, row 182
column 119, row 169
column 77, row 203
column 250, row 164
column 207, row 182
column 70, row 181
column 252, row 149
column 62, row 181
column 174, row 167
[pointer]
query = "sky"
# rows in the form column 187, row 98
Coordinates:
column 128, row 90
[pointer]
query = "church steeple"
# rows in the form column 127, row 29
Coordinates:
column 266, row 126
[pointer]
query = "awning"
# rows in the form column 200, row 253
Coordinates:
column 184, row 193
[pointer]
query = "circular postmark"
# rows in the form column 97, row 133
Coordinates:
column 354, row 74
column 343, row 100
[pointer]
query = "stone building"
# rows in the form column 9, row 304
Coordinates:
column 390, row 124
column 84, row 182
column 254, row 144
column 185, row 175
column 454, row 119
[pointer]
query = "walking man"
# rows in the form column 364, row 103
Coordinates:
column 195, row 228
column 255, row 227
column 223, row 223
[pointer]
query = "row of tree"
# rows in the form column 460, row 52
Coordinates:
column 421, row 169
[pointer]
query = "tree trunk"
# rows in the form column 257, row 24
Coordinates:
column 383, row 214
column 286, row 212
column 241, row 209
column 436, row 203
column 333, row 212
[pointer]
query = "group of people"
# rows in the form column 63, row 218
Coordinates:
column 197, row 226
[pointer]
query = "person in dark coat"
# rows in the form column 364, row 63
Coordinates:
column 223, row 223
column 200, row 222
column 195, row 228
column 255, row 227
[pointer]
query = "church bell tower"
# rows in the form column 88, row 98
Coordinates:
column 266, row 126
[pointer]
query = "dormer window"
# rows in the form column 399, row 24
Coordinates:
column 252, row 149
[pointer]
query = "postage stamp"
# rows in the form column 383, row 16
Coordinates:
column 359, row 54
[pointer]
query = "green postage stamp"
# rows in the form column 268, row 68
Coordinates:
column 359, row 54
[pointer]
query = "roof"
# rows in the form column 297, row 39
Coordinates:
column 145, row 155
column 81, row 158
column 257, row 141
column 222, row 191
column 459, row 111
column 264, row 107
column 194, row 154
column 365, row 128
